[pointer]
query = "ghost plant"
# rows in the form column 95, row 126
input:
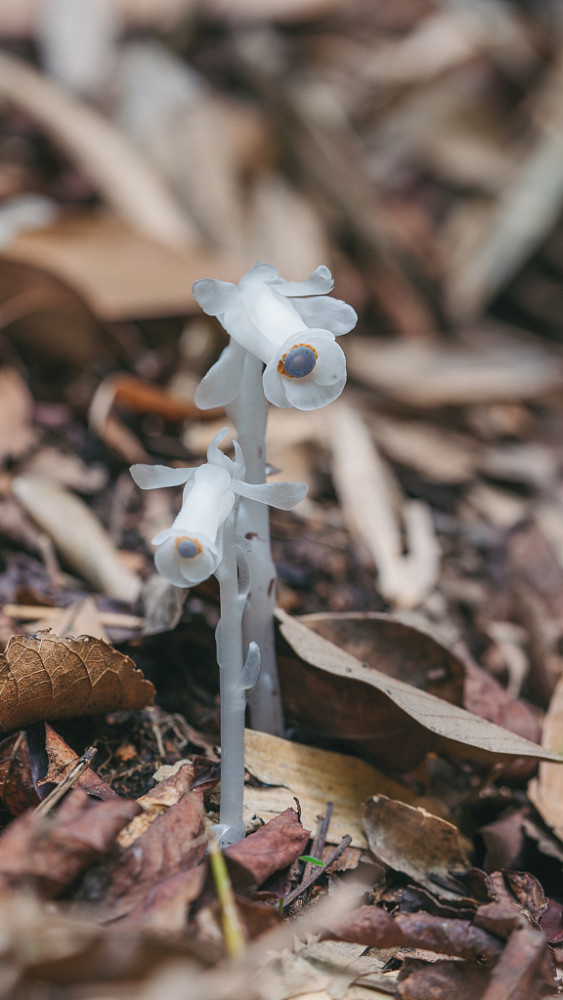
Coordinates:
column 203, row 541
column 283, row 349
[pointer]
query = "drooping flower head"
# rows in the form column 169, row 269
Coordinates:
column 191, row 549
column 290, row 325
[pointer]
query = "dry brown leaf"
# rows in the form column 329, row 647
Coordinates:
column 122, row 273
column 273, row 847
column 391, row 705
column 16, row 411
column 106, row 156
column 45, row 319
column 78, row 535
column 396, row 646
column 17, row 789
column 174, row 841
column 51, row 678
column 61, row 759
column 52, row 851
column 314, row 777
column 411, row 840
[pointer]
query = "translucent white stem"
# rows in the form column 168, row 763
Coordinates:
column 233, row 693
column 248, row 413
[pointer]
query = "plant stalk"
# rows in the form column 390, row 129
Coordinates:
column 249, row 413
column 233, row 693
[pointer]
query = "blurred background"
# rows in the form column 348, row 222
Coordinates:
column 414, row 146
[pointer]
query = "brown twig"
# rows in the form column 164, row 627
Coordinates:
column 316, row 874
column 82, row 764
column 316, row 849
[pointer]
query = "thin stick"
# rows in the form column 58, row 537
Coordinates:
column 316, row 874
column 317, row 848
column 82, row 765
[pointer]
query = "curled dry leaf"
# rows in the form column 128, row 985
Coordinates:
column 275, row 846
column 407, row 721
column 48, row 677
column 413, row 841
column 78, row 535
column 173, row 841
column 61, row 759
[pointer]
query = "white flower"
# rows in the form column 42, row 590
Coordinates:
column 289, row 325
column 191, row 549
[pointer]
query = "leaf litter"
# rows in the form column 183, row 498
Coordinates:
column 419, row 584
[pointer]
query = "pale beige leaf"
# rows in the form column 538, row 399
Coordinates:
column 123, row 177
column 426, row 375
column 464, row 733
column 79, row 537
column 315, row 777
column 365, row 488
column 50, row 678
column 121, row 272
column 546, row 791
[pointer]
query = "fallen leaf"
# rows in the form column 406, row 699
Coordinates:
column 78, row 535
column 273, row 847
column 287, row 770
column 61, row 759
column 365, row 488
column 121, row 272
column 375, row 928
column 122, row 175
column 17, row 789
column 50, row 852
column 16, row 411
column 174, row 840
column 399, row 648
column 46, row 320
column 48, row 677
column 411, row 840
column 428, row 376
column 442, row 981
column 546, row 791
column 369, row 701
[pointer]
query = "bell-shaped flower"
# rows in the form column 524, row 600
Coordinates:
column 290, row 325
column 192, row 548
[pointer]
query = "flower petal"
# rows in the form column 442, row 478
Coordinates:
column 217, row 457
column 331, row 364
column 319, row 283
column 214, row 296
column 284, row 496
column 186, row 572
column 150, row 477
column 274, row 387
column 305, row 394
column 334, row 315
column 264, row 273
column 221, row 384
